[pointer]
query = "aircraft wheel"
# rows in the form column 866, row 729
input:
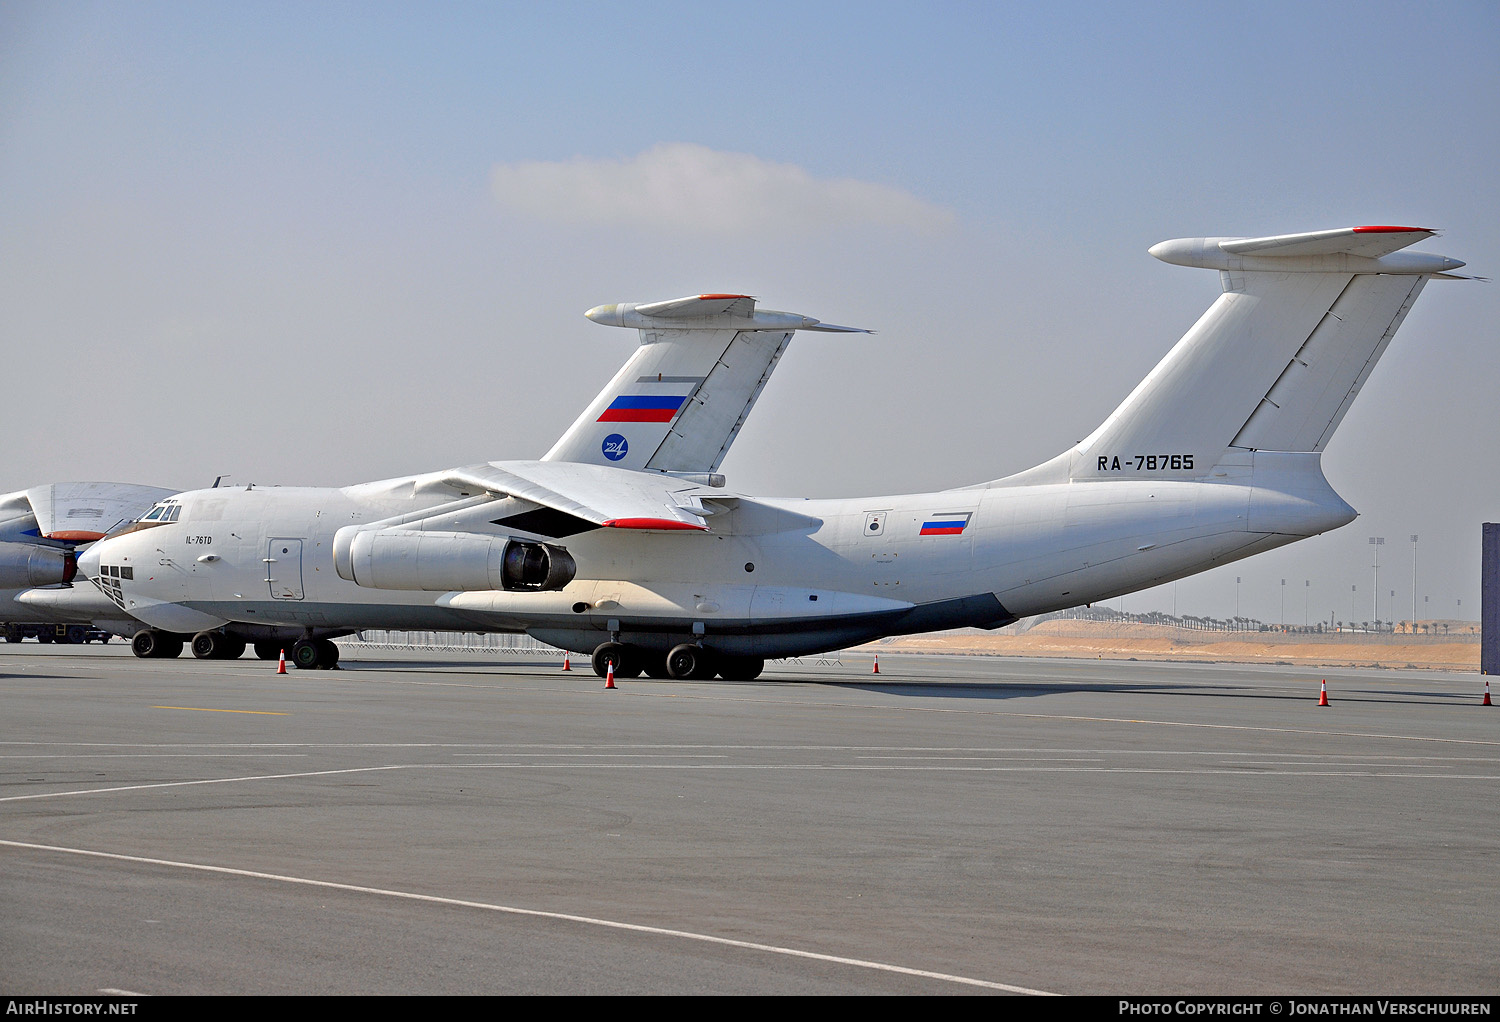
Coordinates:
column 268, row 650
column 43, row 636
column 145, row 644
column 306, row 654
column 690, row 661
column 741, row 668
column 13, row 633
column 630, row 666
column 612, row 651
column 328, row 654
column 154, row 645
column 208, row 646
column 77, row 634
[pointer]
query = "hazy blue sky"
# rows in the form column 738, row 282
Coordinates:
column 325, row 243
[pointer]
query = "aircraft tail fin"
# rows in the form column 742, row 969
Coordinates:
column 679, row 401
column 1275, row 362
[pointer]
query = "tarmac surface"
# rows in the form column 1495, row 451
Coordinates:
column 473, row 824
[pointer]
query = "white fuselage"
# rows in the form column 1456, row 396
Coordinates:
column 771, row 577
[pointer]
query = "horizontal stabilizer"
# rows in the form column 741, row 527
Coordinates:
column 1361, row 241
column 716, row 311
column 737, row 306
column 680, row 400
column 1343, row 250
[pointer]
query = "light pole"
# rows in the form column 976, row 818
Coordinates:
column 1414, row 581
column 1306, row 597
column 1236, row 603
column 1282, row 620
column 1377, row 542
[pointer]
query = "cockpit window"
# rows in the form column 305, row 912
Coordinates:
column 166, row 511
column 161, row 514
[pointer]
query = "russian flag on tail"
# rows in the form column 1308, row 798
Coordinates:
column 946, row 524
column 642, row 408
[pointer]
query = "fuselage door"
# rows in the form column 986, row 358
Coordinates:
column 284, row 568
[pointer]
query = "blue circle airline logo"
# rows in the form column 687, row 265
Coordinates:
column 615, row 447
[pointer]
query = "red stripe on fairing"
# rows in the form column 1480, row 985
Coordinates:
column 638, row 415
column 1392, row 230
column 664, row 524
column 709, row 298
column 75, row 536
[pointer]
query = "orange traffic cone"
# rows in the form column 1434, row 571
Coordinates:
column 1486, row 694
column 281, row 667
column 609, row 675
column 565, row 663
column 1323, row 693
column 877, row 666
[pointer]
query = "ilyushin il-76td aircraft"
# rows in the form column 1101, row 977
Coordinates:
column 1213, row 457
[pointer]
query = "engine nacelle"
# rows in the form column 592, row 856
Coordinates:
column 448, row 561
column 23, row 565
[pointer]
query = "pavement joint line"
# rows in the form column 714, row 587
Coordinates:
column 1237, row 771
column 519, row 748
column 157, row 755
column 612, row 924
column 215, row 709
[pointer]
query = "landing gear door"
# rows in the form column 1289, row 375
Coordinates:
column 284, row 568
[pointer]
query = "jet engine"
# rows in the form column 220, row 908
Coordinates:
column 23, row 565
column 449, row 561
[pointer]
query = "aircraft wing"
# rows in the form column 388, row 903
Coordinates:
column 680, row 400
column 85, row 511
column 602, row 497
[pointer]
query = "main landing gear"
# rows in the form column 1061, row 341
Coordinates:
column 149, row 644
column 217, row 646
column 307, row 654
column 685, row 661
column 315, row 654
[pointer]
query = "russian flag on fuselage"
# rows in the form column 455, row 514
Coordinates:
column 946, row 523
column 642, row 408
